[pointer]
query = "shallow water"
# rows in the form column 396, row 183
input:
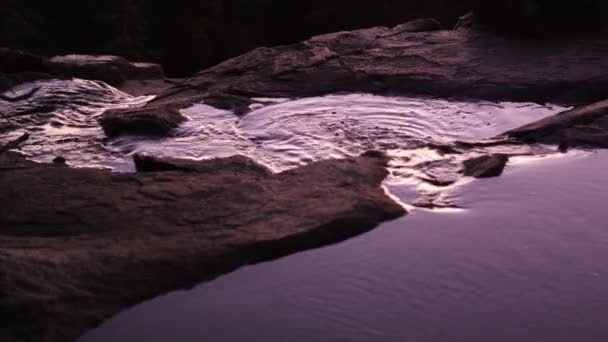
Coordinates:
column 523, row 260
column 526, row 262
column 284, row 133
column 279, row 133
column 67, row 127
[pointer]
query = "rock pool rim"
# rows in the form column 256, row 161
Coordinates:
column 117, row 262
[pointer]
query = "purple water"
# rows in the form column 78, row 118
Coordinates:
column 525, row 262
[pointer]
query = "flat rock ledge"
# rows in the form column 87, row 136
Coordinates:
column 79, row 245
column 163, row 116
column 487, row 166
column 114, row 70
column 581, row 126
column 462, row 63
column 17, row 67
column 148, row 120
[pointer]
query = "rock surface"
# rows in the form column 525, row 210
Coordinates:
column 450, row 63
column 582, row 126
column 485, row 166
column 14, row 61
column 198, row 34
column 113, row 70
column 162, row 116
column 147, row 120
column 17, row 67
column 79, row 245
column 419, row 25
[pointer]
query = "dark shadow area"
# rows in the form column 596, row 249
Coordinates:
column 190, row 35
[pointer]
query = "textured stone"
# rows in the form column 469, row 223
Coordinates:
column 79, row 245
column 460, row 63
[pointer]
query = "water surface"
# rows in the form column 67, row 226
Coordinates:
column 523, row 260
column 279, row 133
column 526, row 263
column 283, row 133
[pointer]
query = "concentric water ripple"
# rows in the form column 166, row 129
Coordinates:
column 295, row 132
column 279, row 133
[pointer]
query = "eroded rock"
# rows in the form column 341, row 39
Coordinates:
column 14, row 61
column 419, row 25
column 447, row 63
column 487, row 166
column 18, row 66
column 148, row 120
column 585, row 125
column 237, row 164
column 113, row 70
column 79, row 245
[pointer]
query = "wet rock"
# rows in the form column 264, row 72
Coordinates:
column 17, row 67
column 79, row 245
column 439, row 181
column 446, row 63
column 465, row 22
column 419, row 25
column 13, row 144
column 237, row 164
column 145, row 87
column 163, row 115
column 145, row 71
column 195, row 35
column 113, row 70
column 8, row 81
column 59, row 160
column 20, row 97
column 239, row 105
column 442, row 148
column 157, row 120
column 585, row 125
column 485, row 166
column 14, row 61
column 376, row 154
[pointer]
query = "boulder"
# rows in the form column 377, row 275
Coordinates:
column 237, row 164
column 485, row 166
column 14, row 61
column 585, row 125
column 466, row 64
column 113, row 70
column 80, row 245
column 156, row 120
column 419, row 25
column 18, row 66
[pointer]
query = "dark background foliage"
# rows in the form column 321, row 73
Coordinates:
column 188, row 35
